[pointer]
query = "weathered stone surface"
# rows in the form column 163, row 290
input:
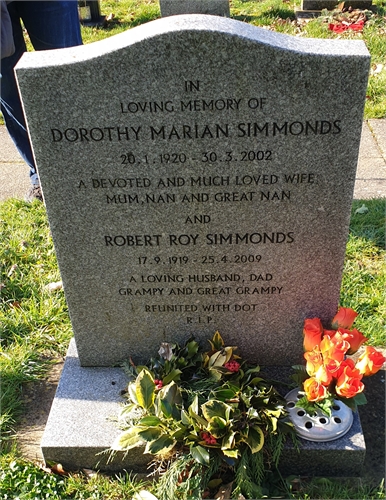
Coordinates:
column 198, row 175
column 82, row 424
column 212, row 7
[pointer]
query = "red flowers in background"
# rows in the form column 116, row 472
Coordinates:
column 331, row 374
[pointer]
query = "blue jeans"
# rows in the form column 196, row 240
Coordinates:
column 50, row 25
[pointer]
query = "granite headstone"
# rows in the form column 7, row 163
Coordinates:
column 212, row 7
column 198, row 175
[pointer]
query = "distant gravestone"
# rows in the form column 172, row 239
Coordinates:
column 212, row 7
column 332, row 4
column 198, row 175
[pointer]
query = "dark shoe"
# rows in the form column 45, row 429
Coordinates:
column 35, row 193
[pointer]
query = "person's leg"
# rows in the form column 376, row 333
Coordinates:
column 9, row 96
column 50, row 25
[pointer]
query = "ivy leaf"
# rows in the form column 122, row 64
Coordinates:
column 145, row 389
column 200, row 454
column 128, row 440
column 255, row 439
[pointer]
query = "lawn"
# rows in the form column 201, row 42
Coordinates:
column 35, row 327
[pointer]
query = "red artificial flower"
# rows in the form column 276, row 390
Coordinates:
column 314, row 390
column 354, row 338
column 349, row 382
column 344, row 318
column 370, row 362
column 312, row 332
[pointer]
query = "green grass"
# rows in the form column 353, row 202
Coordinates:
column 35, row 328
column 276, row 15
column 34, row 322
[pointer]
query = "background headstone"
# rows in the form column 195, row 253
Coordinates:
column 212, row 7
column 198, row 175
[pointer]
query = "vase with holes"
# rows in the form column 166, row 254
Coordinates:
column 319, row 427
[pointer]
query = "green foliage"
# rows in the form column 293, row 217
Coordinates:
column 240, row 414
column 364, row 274
column 23, row 480
column 34, row 323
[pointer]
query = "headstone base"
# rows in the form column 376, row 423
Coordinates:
column 81, row 428
column 343, row 457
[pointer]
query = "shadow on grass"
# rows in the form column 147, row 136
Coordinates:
column 368, row 220
column 269, row 15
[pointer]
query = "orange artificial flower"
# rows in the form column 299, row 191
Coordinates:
column 312, row 332
column 314, row 390
column 314, row 361
column 348, row 365
column 354, row 338
column 349, row 383
column 370, row 362
column 344, row 318
column 333, row 348
column 323, row 376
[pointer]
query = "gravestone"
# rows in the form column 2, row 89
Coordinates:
column 314, row 8
column 212, row 7
column 198, row 175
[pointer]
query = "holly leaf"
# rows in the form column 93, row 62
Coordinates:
column 128, row 440
column 160, row 446
column 213, row 408
column 200, row 454
column 145, row 389
column 216, row 342
column 173, row 375
column 149, row 421
column 150, row 434
column 255, row 439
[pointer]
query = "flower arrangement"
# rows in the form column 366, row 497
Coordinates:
column 329, row 372
column 205, row 414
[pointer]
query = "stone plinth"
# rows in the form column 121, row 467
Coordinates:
column 81, row 427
